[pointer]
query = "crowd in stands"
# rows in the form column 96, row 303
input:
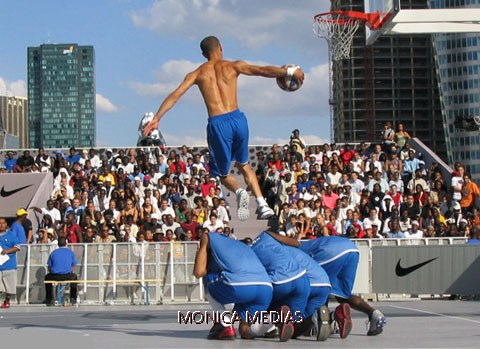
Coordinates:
column 145, row 194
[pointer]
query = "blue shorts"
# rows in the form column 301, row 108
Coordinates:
column 251, row 298
column 318, row 297
column 341, row 272
column 227, row 137
column 294, row 294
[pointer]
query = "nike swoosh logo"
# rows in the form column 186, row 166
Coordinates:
column 400, row 271
column 6, row 193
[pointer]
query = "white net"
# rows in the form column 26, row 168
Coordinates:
column 338, row 30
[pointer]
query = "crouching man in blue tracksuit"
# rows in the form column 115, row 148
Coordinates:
column 232, row 273
column 339, row 258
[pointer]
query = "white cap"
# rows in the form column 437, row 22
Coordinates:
column 415, row 222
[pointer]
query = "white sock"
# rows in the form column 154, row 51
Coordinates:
column 238, row 191
column 261, row 201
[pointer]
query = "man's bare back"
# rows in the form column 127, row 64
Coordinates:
column 217, row 81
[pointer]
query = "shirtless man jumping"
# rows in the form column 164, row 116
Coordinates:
column 227, row 129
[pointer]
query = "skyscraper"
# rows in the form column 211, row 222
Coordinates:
column 393, row 80
column 458, row 62
column 13, row 122
column 61, row 95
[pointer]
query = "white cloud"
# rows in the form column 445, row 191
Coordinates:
column 253, row 23
column 167, row 78
column 309, row 140
column 257, row 95
column 188, row 139
column 13, row 88
column 104, row 104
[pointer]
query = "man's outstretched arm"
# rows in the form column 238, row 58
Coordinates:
column 268, row 71
column 170, row 101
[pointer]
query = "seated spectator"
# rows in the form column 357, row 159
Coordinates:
column 417, row 180
column 470, row 194
column 212, row 224
column 200, row 211
column 438, row 192
column 330, row 198
column 405, row 222
column 411, row 207
column 169, row 223
column 376, row 196
column 372, row 218
column 394, row 230
column 378, row 179
column 106, row 236
column 60, row 266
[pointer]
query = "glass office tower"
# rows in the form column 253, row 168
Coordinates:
column 458, row 66
column 61, row 96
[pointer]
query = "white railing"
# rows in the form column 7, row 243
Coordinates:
column 153, row 273
column 117, row 272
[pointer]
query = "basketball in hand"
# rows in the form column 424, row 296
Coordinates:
column 289, row 83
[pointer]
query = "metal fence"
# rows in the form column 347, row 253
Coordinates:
column 107, row 270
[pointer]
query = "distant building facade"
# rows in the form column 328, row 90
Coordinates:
column 458, row 63
column 393, row 80
column 61, row 96
column 13, row 122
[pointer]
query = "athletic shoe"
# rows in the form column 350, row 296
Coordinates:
column 5, row 305
column 323, row 323
column 273, row 333
column 265, row 212
column 243, row 200
column 377, row 322
column 343, row 318
column 221, row 333
column 286, row 328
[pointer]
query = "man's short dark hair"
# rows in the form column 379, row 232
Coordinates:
column 208, row 44
column 62, row 241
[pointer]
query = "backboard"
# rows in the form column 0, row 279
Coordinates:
column 396, row 21
column 387, row 10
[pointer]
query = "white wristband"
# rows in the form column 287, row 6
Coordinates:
column 291, row 70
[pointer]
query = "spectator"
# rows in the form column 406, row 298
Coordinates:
column 213, row 223
column 401, row 136
column 60, row 268
column 20, row 225
column 106, row 236
column 298, row 142
column 411, row 207
column 169, row 223
column 415, row 232
column 73, row 156
column 329, row 199
column 9, row 245
column 10, row 162
column 43, row 161
column 395, row 232
column 417, row 180
column 24, row 163
column 410, row 165
column 388, row 136
column 470, row 194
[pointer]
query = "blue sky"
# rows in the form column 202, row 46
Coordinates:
column 144, row 48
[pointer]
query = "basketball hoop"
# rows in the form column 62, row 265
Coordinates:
column 338, row 29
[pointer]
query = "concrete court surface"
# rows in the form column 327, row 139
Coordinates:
column 411, row 324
